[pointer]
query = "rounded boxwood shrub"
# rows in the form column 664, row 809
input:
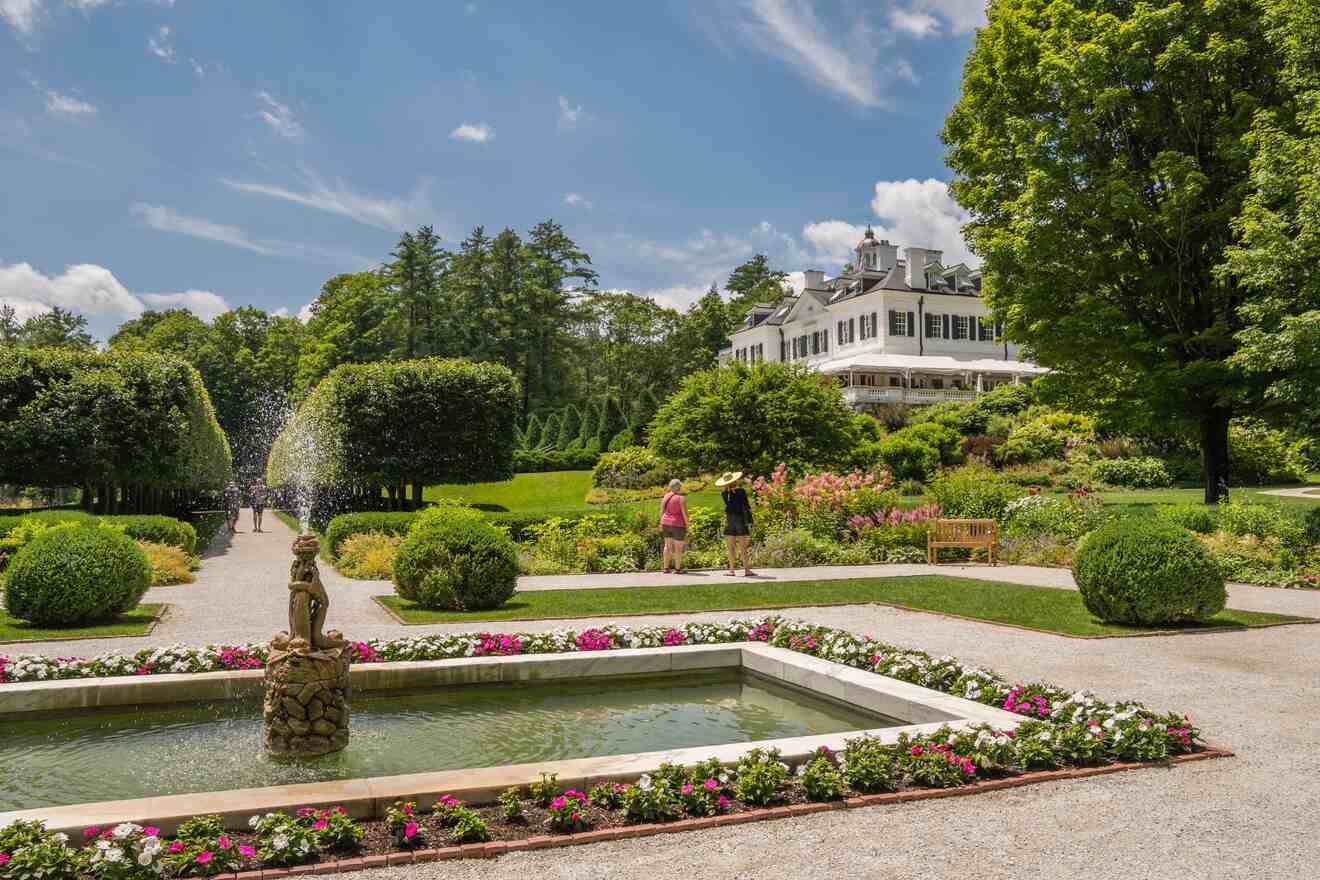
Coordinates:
column 460, row 563
column 158, row 530
column 72, row 575
column 633, row 467
column 1147, row 571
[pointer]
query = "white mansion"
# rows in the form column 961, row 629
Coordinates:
column 892, row 330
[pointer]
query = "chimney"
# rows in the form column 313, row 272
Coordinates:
column 887, row 255
column 917, row 258
column 815, row 279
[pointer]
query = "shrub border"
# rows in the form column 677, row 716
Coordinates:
column 498, row 848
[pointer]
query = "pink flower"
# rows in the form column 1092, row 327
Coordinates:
column 91, row 832
column 320, row 824
column 410, row 830
column 204, row 857
column 246, row 851
column 558, row 803
column 176, row 846
column 710, row 785
column 723, row 801
column 151, row 831
column 687, row 788
column 917, row 750
column 408, row 810
column 4, row 858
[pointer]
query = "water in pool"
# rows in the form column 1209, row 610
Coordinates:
column 132, row 752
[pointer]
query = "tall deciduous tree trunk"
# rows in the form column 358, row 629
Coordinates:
column 417, row 496
column 1214, row 453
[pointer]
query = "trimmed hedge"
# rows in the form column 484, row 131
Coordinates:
column 633, row 467
column 76, row 575
column 1147, row 572
column 535, row 461
column 1135, row 473
column 346, row 525
column 158, row 530
column 456, row 562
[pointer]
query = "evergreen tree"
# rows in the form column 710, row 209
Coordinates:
column 550, row 431
column 590, row 422
column 647, row 406
column 532, row 434
column 414, row 277
column 570, row 426
column 611, row 420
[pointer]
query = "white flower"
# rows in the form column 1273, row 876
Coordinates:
column 144, row 859
column 60, row 837
column 114, row 855
column 279, row 841
column 252, row 823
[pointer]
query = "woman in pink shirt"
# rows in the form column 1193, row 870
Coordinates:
column 673, row 525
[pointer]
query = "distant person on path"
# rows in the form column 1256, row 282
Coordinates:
column 258, row 495
column 737, row 521
column 673, row 525
column 233, row 499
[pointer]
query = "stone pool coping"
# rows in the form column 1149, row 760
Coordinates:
column 926, row 709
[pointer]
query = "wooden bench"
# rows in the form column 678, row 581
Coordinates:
column 965, row 533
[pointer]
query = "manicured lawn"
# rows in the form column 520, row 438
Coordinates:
column 553, row 492
column 132, row 623
column 1040, row 608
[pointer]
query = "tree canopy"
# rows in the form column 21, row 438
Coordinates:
column 751, row 418
column 1099, row 148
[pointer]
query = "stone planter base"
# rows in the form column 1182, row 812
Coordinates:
column 306, row 707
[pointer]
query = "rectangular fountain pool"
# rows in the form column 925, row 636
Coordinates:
column 157, row 749
column 138, row 752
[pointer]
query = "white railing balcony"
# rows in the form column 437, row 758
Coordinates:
column 866, row 394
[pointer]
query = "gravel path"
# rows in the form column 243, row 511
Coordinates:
column 240, row 595
column 1298, row 492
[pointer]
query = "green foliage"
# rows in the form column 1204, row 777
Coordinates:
column 821, row 780
column 1044, row 178
column 647, row 406
column 1046, row 436
column 751, row 418
column 1193, row 517
column 158, row 530
column 1145, row 571
column 76, row 574
column 456, row 561
column 760, row 777
column 534, row 461
column 590, row 422
column 972, row 492
column 634, row 467
column 71, row 418
column 510, row 801
column 1263, row 521
column 570, row 426
column 1135, row 473
column 870, row 766
column 368, row 555
column 650, row 802
column 545, row 791
column 45, row 857
column 344, row 526
column 909, row 457
column 533, row 433
column 199, row 829
column 621, row 440
column 550, row 431
column 1258, row 454
column 612, row 421
column 388, row 424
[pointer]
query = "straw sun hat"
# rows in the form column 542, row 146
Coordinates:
column 728, row 478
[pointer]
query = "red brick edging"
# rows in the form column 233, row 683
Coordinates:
column 547, row 841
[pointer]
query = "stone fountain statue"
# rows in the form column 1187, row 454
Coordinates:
column 307, row 678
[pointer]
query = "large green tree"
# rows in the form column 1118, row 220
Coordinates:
column 57, row 328
column 752, row 282
column 1099, row 148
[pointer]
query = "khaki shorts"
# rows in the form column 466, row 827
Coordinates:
column 676, row 533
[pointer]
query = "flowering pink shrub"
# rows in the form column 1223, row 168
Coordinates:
column 674, row 637
column 1022, row 702
column 239, row 658
column 821, row 503
column 365, row 653
column 594, row 640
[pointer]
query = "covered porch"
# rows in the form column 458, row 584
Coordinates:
column 889, row 378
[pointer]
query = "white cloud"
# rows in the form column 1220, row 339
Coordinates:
column 961, row 16
column 677, row 297
column 86, row 5
column 167, row 220
column 337, row 197
column 577, row 200
column 159, row 45
column 67, row 105
column 922, row 213
column 475, row 133
column 833, row 240
column 279, row 117
column 202, row 303
column 93, row 291
column 197, row 68
column 21, row 15
column 570, row 117
column 790, row 31
column 918, row 24
column 902, row 69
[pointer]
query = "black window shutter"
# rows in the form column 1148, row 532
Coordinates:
column 912, row 324
column 946, row 326
column 893, row 323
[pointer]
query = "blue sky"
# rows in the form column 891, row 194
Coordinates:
column 216, row 153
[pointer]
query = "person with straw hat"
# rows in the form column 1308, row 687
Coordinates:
column 737, row 520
